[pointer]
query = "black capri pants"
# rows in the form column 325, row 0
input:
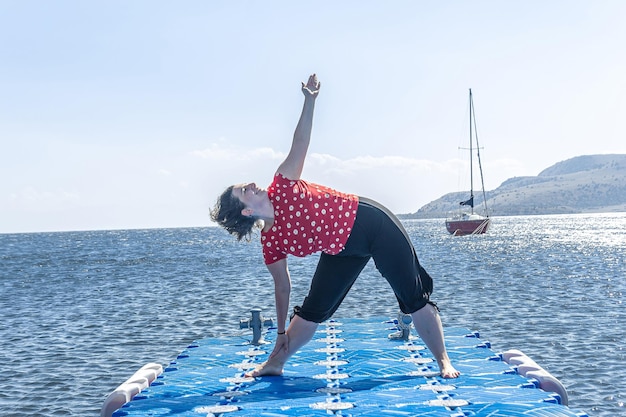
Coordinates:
column 377, row 233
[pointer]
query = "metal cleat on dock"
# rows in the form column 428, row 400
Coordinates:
column 404, row 327
column 256, row 323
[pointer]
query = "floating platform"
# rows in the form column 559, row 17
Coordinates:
column 353, row 367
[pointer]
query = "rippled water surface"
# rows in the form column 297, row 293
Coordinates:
column 81, row 311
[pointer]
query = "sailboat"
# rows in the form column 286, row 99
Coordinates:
column 470, row 223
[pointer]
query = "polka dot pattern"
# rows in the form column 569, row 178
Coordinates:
column 308, row 218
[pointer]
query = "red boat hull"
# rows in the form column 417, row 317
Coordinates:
column 467, row 227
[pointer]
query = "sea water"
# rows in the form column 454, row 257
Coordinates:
column 82, row 311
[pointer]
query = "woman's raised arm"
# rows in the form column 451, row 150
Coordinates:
column 292, row 166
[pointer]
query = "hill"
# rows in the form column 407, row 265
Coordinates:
column 584, row 184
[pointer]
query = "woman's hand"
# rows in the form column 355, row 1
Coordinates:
column 282, row 343
column 312, row 87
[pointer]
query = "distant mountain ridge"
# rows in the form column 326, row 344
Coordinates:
column 584, row 184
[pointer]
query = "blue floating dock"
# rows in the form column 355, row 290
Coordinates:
column 350, row 368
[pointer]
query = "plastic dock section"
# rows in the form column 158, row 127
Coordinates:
column 352, row 367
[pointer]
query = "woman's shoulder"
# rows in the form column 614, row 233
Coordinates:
column 282, row 181
column 284, row 177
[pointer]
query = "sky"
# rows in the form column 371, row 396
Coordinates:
column 138, row 114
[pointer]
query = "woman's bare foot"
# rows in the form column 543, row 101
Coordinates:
column 266, row 368
column 448, row 371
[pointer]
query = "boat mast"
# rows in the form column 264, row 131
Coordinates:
column 480, row 166
column 471, row 116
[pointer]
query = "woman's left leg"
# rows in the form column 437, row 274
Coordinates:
column 395, row 258
column 428, row 325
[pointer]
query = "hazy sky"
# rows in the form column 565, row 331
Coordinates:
column 137, row 114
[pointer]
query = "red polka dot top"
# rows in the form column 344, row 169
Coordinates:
column 308, row 218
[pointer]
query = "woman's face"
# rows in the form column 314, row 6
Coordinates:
column 250, row 195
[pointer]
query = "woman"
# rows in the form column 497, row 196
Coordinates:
column 300, row 218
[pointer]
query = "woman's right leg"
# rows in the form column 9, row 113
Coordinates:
column 333, row 278
column 331, row 282
column 299, row 333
